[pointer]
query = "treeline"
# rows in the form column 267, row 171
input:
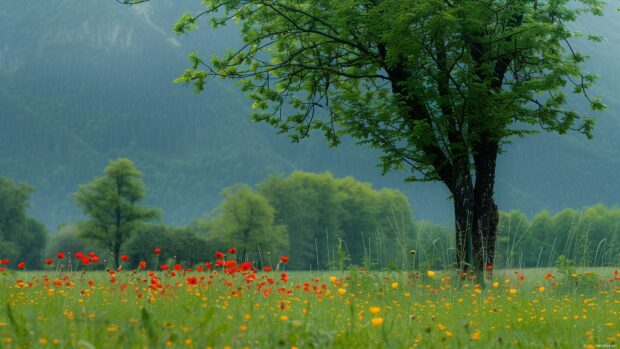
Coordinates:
column 588, row 237
column 320, row 221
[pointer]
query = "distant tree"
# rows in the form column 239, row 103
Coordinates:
column 318, row 209
column 111, row 204
column 21, row 236
column 247, row 222
column 438, row 86
column 308, row 205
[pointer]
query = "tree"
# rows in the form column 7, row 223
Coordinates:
column 246, row 222
column 21, row 236
column 308, row 205
column 439, row 86
column 111, row 204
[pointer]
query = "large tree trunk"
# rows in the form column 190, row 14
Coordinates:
column 476, row 214
column 486, row 216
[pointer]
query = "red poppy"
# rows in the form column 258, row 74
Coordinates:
column 489, row 267
column 79, row 255
column 246, row 266
column 124, row 258
column 49, row 261
column 95, row 259
column 164, row 267
column 521, row 277
column 157, row 250
column 267, row 268
column 4, row 261
column 219, row 262
column 91, row 283
column 21, row 265
column 85, row 260
column 208, row 265
column 192, row 280
column 143, row 265
column 92, row 254
column 60, row 255
column 199, row 268
column 232, row 250
column 219, row 255
column 284, row 259
column 178, row 267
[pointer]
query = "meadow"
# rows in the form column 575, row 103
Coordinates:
column 230, row 304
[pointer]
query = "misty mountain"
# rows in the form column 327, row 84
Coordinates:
column 82, row 82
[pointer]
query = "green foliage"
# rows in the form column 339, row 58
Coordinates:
column 247, row 222
column 588, row 237
column 319, row 210
column 178, row 245
column 111, row 204
column 20, row 235
column 476, row 74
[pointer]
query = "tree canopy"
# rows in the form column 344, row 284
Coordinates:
column 111, row 204
column 21, row 236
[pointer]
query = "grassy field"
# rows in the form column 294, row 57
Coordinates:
column 239, row 307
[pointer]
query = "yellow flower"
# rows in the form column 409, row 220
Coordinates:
column 395, row 285
column 342, row 291
column 243, row 328
column 448, row 333
column 512, row 291
column 375, row 310
column 430, row 274
column 332, row 279
column 495, row 284
column 475, row 336
column 541, row 289
column 283, row 317
column 376, row 321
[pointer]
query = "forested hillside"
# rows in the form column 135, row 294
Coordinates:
column 85, row 81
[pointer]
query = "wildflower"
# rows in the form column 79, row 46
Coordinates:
column 395, row 285
column 376, row 321
column 475, row 336
column 375, row 310
column 164, row 267
column 332, row 279
column 219, row 255
column 232, row 250
column 430, row 274
column 267, row 268
column 49, row 261
column 512, row 291
column 21, row 265
column 495, row 284
column 157, row 250
column 142, row 265
column 192, row 280
column 284, row 259
column 489, row 267
column 521, row 277
column 541, row 289
column 85, row 260
column 342, row 291
column 60, row 255
column 178, row 267
column 124, row 258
